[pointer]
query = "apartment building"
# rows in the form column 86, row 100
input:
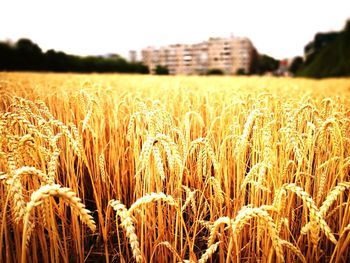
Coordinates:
column 226, row 54
column 132, row 55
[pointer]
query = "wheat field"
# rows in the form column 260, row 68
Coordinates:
column 122, row 168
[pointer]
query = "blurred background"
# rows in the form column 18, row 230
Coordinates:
column 284, row 38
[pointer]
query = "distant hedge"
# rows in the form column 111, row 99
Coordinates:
column 24, row 55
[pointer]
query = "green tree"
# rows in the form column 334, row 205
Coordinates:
column 161, row 70
column 264, row 63
column 296, row 64
column 28, row 55
column 328, row 55
column 268, row 64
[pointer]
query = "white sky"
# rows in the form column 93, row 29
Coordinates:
column 279, row 28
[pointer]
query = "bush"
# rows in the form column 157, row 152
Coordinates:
column 162, row 70
column 240, row 71
column 215, row 71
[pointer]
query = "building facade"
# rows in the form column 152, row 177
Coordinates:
column 132, row 55
column 226, row 54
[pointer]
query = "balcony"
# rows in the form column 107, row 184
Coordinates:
column 187, row 58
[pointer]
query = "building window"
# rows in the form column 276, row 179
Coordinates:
column 203, row 57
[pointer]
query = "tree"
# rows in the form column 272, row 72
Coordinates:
column 347, row 26
column 264, row 63
column 268, row 64
column 161, row 70
column 328, row 55
column 6, row 57
column 296, row 64
column 28, row 55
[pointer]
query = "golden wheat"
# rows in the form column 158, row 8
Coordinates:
column 197, row 161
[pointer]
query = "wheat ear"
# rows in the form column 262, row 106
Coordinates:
column 40, row 195
column 208, row 253
column 314, row 212
column 215, row 226
column 149, row 198
column 246, row 214
column 294, row 249
column 128, row 224
column 332, row 196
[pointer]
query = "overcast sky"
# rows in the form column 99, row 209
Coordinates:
column 279, row 28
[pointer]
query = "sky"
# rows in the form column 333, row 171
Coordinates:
column 278, row 28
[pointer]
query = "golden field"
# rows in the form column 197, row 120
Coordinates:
column 123, row 168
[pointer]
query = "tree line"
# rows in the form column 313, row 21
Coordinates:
column 327, row 55
column 24, row 55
